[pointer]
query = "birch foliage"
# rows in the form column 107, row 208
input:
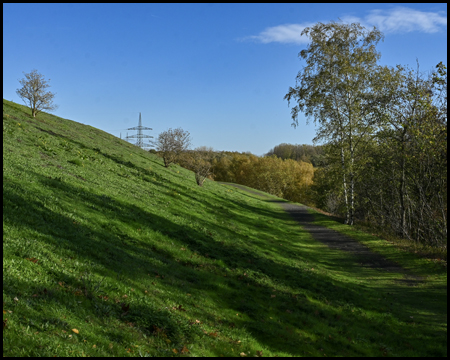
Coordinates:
column 339, row 89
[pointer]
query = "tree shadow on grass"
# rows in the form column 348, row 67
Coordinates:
column 54, row 311
column 111, row 248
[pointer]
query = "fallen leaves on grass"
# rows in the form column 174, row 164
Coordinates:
column 33, row 260
column 75, row 331
column 125, row 308
column 161, row 331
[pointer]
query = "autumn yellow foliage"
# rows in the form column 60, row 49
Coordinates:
column 289, row 179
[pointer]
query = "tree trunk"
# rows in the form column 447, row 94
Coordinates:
column 352, row 197
column 199, row 179
column 352, row 183
column 403, row 188
column 347, row 215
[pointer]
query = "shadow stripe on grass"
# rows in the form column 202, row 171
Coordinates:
column 335, row 240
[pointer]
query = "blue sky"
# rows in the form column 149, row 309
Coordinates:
column 219, row 71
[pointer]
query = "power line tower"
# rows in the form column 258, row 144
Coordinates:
column 140, row 136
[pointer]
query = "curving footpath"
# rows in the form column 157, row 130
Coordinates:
column 336, row 240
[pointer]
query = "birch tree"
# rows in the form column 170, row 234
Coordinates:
column 338, row 90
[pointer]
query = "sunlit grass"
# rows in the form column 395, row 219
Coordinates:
column 108, row 253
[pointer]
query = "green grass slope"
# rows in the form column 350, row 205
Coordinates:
column 108, row 253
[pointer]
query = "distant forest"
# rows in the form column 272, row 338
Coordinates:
column 307, row 153
column 286, row 170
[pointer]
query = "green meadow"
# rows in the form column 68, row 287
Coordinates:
column 108, row 253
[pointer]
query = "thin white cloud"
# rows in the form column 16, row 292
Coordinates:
column 288, row 33
column 395, row 20
column 403, row 19
column 348, row 19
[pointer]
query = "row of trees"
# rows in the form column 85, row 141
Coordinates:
column 384, row 130
column 306, row 153
column 289, row 179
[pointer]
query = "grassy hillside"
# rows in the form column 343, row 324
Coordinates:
column 108, row 253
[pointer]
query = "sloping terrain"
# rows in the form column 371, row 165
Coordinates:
column 108, row 253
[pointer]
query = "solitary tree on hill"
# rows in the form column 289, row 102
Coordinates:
column 33, row 93
column 200, row 162
column 171, row 143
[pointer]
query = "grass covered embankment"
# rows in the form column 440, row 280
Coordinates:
column 108, row 253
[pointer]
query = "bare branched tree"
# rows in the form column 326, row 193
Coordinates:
column 33, row 93
column 171, row 143
column 202, row 164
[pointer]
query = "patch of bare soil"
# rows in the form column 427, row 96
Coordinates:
column 338, row 241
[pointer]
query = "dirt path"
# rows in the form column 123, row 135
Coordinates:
column 338, row 241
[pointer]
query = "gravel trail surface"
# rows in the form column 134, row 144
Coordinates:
column 336, row 240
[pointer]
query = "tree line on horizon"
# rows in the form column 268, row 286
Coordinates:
column 312, row 154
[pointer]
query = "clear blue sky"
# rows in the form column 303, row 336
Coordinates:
column 219, row 71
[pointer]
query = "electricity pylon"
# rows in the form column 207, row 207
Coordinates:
column 140, row 136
